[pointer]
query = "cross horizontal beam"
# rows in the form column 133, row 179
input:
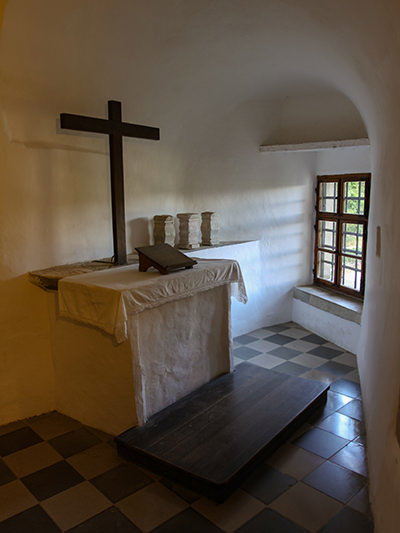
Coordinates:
column 109, row 127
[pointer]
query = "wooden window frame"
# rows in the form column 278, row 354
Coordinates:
column 340, row 218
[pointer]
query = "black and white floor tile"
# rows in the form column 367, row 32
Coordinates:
column 293, row 350
column 57, row 475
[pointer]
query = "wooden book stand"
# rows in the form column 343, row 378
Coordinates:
column 164, row 258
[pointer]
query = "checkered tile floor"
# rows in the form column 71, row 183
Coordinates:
column 57, row 475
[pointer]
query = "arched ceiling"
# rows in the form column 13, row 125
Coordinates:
column 182, row 58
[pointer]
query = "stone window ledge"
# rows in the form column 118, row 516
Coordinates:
column 340, row 305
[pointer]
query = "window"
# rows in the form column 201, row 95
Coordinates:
column 341, row 232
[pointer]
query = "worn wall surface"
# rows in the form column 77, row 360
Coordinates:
column 218, row 78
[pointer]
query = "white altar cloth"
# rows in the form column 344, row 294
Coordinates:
column 165, row 337
column 105, row 299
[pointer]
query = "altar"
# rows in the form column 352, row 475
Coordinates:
column 126, row 343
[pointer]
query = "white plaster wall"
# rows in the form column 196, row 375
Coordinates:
column 205, row 72
column 252, row 315
column 344, row 161
column 318, row 117
column 26, row 371
column 344, row 333
column 268, row 199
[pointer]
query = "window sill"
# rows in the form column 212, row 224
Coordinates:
column 342, row 306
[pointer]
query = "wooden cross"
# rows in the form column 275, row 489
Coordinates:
column 116, row 130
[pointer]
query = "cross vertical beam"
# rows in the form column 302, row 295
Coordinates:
column 117, row 185
column 116, row 130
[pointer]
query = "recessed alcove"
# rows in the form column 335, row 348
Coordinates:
column 336, row 304
column 312, row 118
column 333, row 316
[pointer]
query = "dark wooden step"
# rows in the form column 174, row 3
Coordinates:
column 211, row 439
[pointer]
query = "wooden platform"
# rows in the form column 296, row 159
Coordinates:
column 211, row 439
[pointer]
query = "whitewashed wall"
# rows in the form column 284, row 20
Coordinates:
column 209, row 74
column 55, row 202
column 344, row 333
column 340, row 331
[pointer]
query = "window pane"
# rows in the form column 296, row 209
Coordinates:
column 352, row 241
column 326, row 266
column 327, row 234
column 327, row 196
column 354, row 197
column 351, row 273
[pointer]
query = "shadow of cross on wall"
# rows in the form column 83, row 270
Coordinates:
column 116, row 130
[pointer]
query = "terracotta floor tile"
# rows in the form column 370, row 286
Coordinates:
column 151, row 506
column 75, row 505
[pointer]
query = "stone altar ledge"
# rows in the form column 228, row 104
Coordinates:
column 48, row 278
